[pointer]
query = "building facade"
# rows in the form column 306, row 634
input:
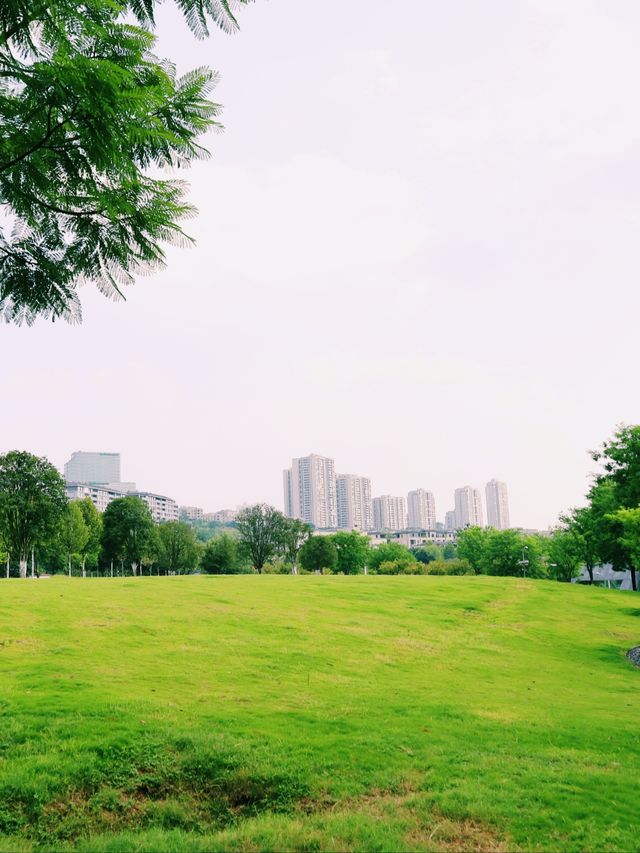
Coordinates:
column 468, row 511
column 161, row 507
column 222, row 516
column 389, row 513
column 421, row 510
column 86, row 467
column 497, row 504
column 450, row 520
column 353, row 502
column 310, row 491
column 101, row 495
column 191, row 513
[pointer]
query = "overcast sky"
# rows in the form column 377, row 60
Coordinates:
column 417, row 252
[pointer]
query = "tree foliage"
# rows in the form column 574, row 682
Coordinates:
column 318, row 554
column 260, row 529
column 128, row 531
column 87, row 110
column 389, row 552
column 177, row 547
column 222, row 556
column 353, row 551
column 32, row 501
column 72, row 532
column 93, row 522
column 294, row 534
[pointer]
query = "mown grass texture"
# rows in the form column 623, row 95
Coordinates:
column 317, row 713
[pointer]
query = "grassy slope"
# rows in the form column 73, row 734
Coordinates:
column 317, row 713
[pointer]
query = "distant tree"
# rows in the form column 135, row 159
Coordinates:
column 629, row 520
column 32, row 501
column 177, row 547
column 93, row 522
column 72, row 532
column 449, row 567
column 294, row 534
column 402, row 567
column 449, row 551
column 472, row 546
column 260, row 531
column 427, row 553
column 127, row 531
column 389, row 552
column 318, row 553
column 353, row 552
column 564, row 555
column 585, row 527
column 511, row 553
column 221, row 555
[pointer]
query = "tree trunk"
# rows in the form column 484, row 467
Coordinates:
column 23, row 566
column 8, row 563
column 111, row 568
column 33, row 563
column 69, row 565
column 634, row 584
column 84, row 566
column 134, row 569
column 590, row 570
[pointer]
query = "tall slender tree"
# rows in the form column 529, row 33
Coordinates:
column 32, row 502
column 93, row 522
column 72, row 532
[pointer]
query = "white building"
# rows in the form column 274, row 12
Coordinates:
column 421, row 510
column 497, row 504
column 191, row 513
column 450, row 520
column 353, row 502
column 223, row 516
column 389, row 513
column 101, row 495
column 310, row 491
column 161, row 507
column 86, row 467
column 468, row 511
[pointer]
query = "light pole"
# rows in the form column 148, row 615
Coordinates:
column 524, row 562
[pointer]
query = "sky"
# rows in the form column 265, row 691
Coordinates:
column 417, row 252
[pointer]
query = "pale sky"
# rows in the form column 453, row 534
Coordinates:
column 417, row 252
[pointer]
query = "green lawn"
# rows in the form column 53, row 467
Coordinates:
column 317, row 713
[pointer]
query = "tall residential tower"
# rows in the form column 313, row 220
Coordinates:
column 310, row 491
column 86, row 467
column 389, row 513
column 421, row 510
column 497, row 504
column 468, row 511
column 354, row 502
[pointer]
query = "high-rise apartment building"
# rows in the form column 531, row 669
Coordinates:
column 421, row 510
column 497, row 504
column 353, row 502
column 450, row 520
column 92, row 468
column 310, row 491
column 389, row 513
column 468, row 511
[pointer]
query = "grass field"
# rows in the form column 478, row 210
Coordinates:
column 317, row 713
